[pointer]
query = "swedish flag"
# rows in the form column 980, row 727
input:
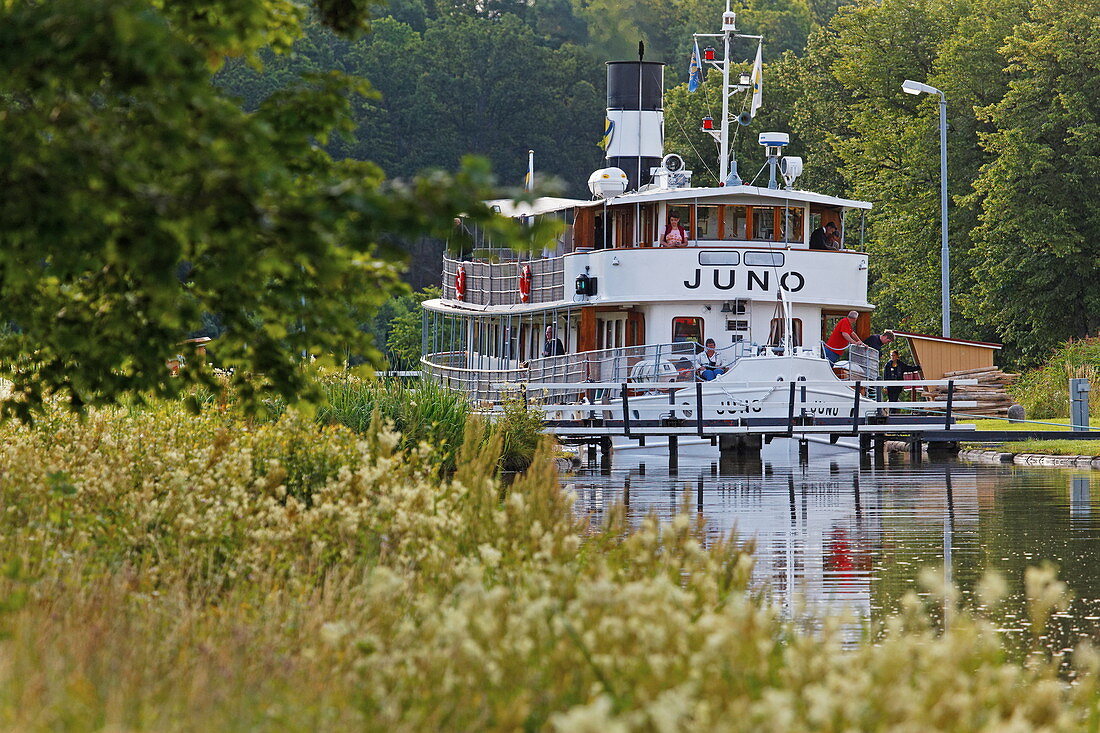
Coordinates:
column 695, row 69
column 608, row 133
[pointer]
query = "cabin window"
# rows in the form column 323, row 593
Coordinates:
column 763, row 222
column 790, row 225
column 731, row 258
column 706, row 222
column 687, row 329
column 765, row 259
column 775, row 334
column 734, row 222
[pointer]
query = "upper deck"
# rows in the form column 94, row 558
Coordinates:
column 742, row 242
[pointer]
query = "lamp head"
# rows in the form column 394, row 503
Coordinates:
column 915, row 87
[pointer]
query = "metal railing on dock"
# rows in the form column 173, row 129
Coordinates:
column 634, row 413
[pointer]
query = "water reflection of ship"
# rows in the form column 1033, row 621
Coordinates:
column 818, row 534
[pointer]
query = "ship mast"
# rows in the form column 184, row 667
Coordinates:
column 722, row 135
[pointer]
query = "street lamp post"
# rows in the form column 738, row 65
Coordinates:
column 915, row 87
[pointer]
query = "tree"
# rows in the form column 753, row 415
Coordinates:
column 140, row 197
column 885, row 146
column 1038, row 241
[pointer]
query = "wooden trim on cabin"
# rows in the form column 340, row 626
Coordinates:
column 635, row 328
column 584, row 228
column 586, row 330
column 863, row 325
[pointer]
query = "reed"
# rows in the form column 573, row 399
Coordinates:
column 160, row 574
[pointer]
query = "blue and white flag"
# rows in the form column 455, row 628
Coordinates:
column 695, row 69
column 608, row 133
column 757, row 81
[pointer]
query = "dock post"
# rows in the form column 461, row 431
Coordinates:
column 915, row 448
column 605, row 455
column 803, row 451
column 739, row 444
column 673, row 454
column 1079, row 404
column 591, row 452
column 699, row 408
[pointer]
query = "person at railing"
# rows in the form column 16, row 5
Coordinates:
column 896, row 369
column 824, row 237
column 675, row 235
column 708, row 364
column 842, row 337
column 463, row 245
column 877, row 341
column 552, row 346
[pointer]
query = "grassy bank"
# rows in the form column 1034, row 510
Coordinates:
column 1048, row 447
column 170, row 572
column 1044, row 392
column 422, row 412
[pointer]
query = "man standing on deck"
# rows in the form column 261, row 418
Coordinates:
column 552, row 346
column 843, row 336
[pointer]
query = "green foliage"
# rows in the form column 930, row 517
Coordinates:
column 429, row 416
column 397, row 325
column 1038, row 241
column 422, row 411
column 1044, row 391
column 147, row 199
column 520, row 431
column 184, row 586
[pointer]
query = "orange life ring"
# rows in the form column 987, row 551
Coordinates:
column 525, row 284
column 460, row 283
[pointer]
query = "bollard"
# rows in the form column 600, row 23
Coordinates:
column 1079, row 404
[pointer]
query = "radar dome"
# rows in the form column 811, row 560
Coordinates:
column 607, row 182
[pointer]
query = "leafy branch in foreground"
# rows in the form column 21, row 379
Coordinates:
column 139, row 198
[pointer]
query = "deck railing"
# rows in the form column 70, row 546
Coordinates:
column 655, row 362
column 497, row 283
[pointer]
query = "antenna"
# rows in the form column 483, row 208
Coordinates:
column 727, row 176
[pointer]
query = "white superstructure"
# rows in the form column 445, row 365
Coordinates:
column 626, row 307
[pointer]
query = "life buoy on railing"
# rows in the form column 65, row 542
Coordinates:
column 525, row 284
column 460, row 284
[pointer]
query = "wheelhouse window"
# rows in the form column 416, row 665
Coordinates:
column 735, row 222
column 775, row 334
column 763, row 222
column 687, row 329
column 790, row 225
column 706, row 222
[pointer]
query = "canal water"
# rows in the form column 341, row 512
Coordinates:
column 847, row 535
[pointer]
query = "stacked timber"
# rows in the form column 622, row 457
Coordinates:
column 990, row 392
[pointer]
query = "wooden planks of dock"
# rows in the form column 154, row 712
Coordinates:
column 990, row 393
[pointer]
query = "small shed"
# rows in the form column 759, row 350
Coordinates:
column 937, row 355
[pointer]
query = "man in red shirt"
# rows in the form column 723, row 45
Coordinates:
column 842, row 337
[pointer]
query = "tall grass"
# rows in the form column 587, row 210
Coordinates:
column 423, row 412
column 159, row 574
column 1044, row 392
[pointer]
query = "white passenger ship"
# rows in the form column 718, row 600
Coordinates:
column 627, row 309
